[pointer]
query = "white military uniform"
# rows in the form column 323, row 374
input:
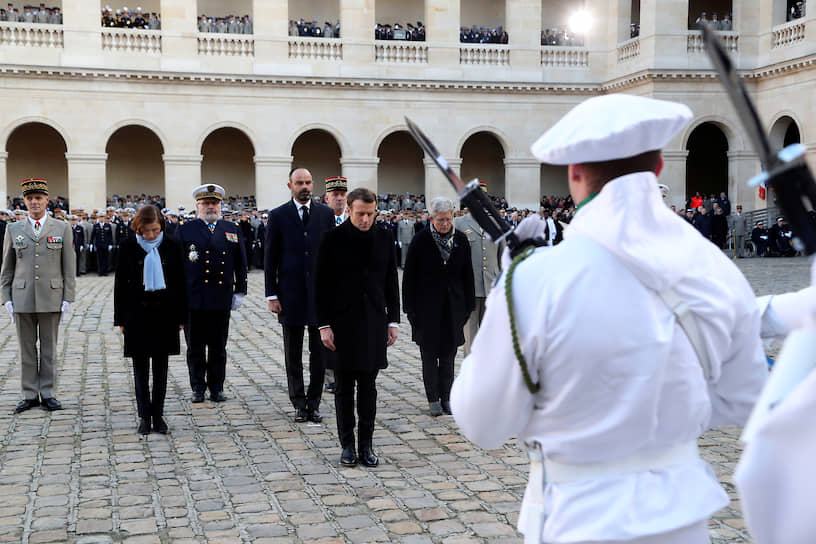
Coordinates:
column 623, row 397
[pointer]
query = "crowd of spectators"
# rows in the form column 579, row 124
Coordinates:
column 312, row 29
column 42, row 15
column 130, row 18
column 230, row 24
column 560, row 36
column 399, row 32
column 17, row 203
column 715, row 22
column 483, row 35
column 797, row 11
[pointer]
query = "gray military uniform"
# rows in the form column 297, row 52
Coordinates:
column 405, row 233
column 486, row 260
column 38, row 274
column 739, row 224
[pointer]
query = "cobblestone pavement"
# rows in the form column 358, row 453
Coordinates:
column 243, row 471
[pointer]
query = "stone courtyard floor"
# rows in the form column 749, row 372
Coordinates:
column 243, row 471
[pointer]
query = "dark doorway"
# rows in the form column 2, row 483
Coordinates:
column 707, row 162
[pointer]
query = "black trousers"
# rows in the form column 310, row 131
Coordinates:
column 366, row 406
column 102, row 261
column 303, row 399
column 146, row 406
column 437, row 373
column 206, row 334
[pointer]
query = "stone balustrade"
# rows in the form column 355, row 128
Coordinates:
column 30, row 34
column 316, row 48
column 553, row 56
column 695, row 44
column 628, row 50
column 401, row 52
column 226, row 45
column 484, row 54
column 128, row 40
column 789, row 33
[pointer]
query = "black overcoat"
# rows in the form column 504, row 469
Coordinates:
column 438, row 297
column 151, row 320
column 357, row 294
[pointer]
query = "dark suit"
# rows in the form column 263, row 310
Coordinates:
column 290, row 251
column 102, row 239
column 357, row 295
column 215, row 268
column 79, row 245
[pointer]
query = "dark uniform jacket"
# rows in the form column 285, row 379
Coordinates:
column 102, row 236
column 438, row 297
column 289, row 259
column 79, row 237
column 214, row 264
column 357, row 294
column 151, row 319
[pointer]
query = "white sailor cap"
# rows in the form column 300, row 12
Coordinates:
column 610, row 127
column 211, row 190
column 171, row 212
column 264, row 215
column 110, row 209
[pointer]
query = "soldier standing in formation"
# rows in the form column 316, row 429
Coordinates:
column 102, row 243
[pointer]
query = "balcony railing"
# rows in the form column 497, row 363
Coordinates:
column 694, row 41
column 484, row 54
column 127, row 40
column 401, row 52
column 553, row 56
column 31, row 34
column 788, row 34
column 315, row 48
column 226, row 45
column 628, row 50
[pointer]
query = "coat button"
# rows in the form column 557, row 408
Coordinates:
column 207, row 252
column 36, row 277
column 207, row 271
column 37, row 244
column 36, row 254
column 220, row 283
column 223, row 253
column 206, row 281
column 207, row 261
column 36, row 266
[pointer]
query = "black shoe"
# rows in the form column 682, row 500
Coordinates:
column 314, row 416
column 159, row 425
column 446, row 409
column 218, row 397
column 51, row 404
column 197, row 397
column 330, row 388
column 144, row 426
column 367, row 457
column 26, row 404
column 301, row 416
column 349, row 457
column 435, row 408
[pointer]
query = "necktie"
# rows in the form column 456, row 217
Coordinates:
column 37, row 228
column 338, row 220
column 211, row 226
column 304, row 215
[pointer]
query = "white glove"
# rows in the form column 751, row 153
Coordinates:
column 787, row 312
column 91, row 248
column 82, row 248
column 110, row 248
column 237, row 300
column 10, row 309
column 532, row 227
column 64, row 309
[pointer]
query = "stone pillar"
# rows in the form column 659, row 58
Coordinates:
column 360, row 171
column 182, row 174
column 522, row 182
column 179, row 31
column 436, row 184
column 82, row 33
column 271, row 177
column 663, row 24
column 3, row 180
column 742, row 166
column 524, row 28
column 442, row 22
column 87, row 180
column 674, row 176
column 270, row 20
column 357, row 31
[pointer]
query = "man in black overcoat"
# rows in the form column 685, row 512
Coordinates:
column 357, row 300
column 293, row 233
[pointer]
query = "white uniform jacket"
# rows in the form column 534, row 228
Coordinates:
column 618, row 375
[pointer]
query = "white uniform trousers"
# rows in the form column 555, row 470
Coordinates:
column 692, row 534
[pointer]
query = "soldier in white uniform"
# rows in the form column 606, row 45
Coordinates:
column 636, row 349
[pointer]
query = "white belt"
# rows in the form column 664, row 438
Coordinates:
column 556, row 472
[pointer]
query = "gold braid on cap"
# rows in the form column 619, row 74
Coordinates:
column 34, row 185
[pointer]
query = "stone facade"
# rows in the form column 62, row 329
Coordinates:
column 182, row 87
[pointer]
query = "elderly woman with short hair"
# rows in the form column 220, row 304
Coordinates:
column 438, row 296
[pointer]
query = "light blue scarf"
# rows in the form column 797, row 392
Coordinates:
column 153, row 273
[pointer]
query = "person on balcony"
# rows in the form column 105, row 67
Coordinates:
column 725, row 24
column 328, row 30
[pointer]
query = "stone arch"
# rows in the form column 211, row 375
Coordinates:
column 483, row 155
column 152, row 127
column 134, row 164
column 707, row 168
column 228, row 154
column 14, row 125
column 734, row 140
column 37, row 149
column 248, row 132
column 319, row 151
column 785, row 130
column 496, row 133
column 336, row 134
column 400, row 169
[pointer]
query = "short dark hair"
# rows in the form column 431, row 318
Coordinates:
column 292, row 171
column 600, row 173
column 361, row 193
column 145, row 216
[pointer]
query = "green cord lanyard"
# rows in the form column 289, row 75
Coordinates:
column 585, row 201
column 508, row 291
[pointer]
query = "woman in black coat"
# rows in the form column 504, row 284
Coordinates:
column 438, row 296
column 150, row 306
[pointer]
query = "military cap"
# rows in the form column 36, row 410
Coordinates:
column 336, row 183
column 210, row 190
column 34, row 185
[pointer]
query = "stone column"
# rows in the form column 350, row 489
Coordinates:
column 82, row 33
column 357, row 31
column 742, row 166
column 3, row 179
column 442, row 22
column 270, row 20
column 436, row 184
column 270, row 181
column 522, row 182
column 179, row 31
column 182, row 174
column 663, row 24
column 360, row 171
column 87, row 180
column 674, row 176
column 524, row 28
